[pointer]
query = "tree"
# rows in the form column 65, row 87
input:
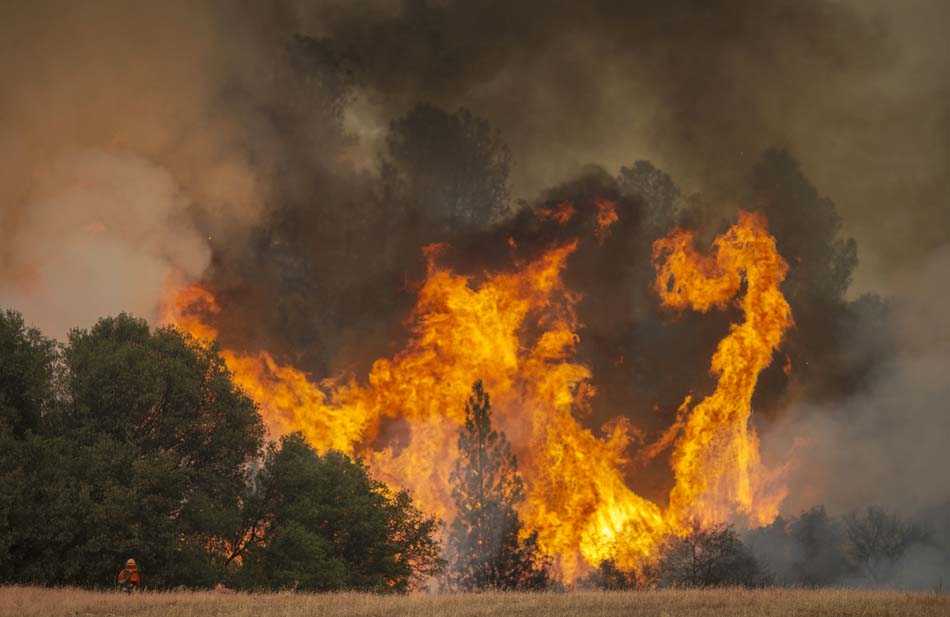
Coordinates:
column 450, row 171
column 877, row 540
column 808, row 232
column 822, row 560
column 609, row 577
column 805, row 551
column 321, row 523
column 147, row 450
column 807, row 227
column 137, row 444
column 656, row 189
column 486, row 541
column 166, row 402
column 709, row 557
column 27, row 374
column 91, row 502
column 27, row 362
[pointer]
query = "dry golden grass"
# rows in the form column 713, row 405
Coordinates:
column 39, row 602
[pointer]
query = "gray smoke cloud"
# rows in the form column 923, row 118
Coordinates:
column 887, row 444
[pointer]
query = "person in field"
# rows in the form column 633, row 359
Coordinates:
column 128, row 577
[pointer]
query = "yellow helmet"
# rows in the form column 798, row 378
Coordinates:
column 130, row 563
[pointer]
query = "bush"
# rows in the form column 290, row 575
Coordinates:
column 877, row 540
column 609, row 577
column 709, row 557
column 320, row 523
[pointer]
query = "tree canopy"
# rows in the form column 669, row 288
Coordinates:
column 448, row 170
column 321, row 523
column 133, row 442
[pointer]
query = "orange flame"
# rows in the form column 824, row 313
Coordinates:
column 560, row 214
column 517, row 332
column 606, row 216
column 716, row 459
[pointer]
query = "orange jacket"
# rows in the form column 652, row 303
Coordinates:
column 130, row 576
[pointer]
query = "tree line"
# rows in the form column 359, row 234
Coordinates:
column 130, row 442
column 126, row 441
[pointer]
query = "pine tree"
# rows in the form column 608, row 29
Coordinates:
column 485, row 540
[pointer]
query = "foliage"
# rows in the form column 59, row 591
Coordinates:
column 878, row 539
column 131, row 442
column 609, row 577
column 874, row 547
column 447, row 169
column 27, row 362
column 180, row 428
column 807, row 227
column 836, row 343
column 657, row 191
column 488, row 546
column 822, row 559
column 709, row 557
column 144, row 454
column 320, row 523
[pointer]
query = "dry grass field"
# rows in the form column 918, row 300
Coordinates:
column 38, row 602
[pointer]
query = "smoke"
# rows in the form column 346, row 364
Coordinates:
column 884, row 445
column 102, row 231
column 129, row 137
column 854, row 89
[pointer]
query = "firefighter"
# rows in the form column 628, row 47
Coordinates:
column 128, row 578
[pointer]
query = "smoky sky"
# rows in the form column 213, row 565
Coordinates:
column 261, row 148
column 856, row 90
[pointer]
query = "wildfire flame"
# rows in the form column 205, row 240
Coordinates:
column 516, row 331
column 716, row 459
column 606, row 216
column 561, row 213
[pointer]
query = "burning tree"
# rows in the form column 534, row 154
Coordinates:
column 488, row 547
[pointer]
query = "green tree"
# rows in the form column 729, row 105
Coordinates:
column 91, row 502
column 27, row 363
column 321, row 523
column 486, row 542
column 142, row 449
column 27, row 388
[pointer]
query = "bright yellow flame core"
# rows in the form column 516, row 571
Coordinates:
column 516, row 331
column 716, row 459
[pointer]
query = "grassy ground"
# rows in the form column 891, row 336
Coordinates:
column 38, row 602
